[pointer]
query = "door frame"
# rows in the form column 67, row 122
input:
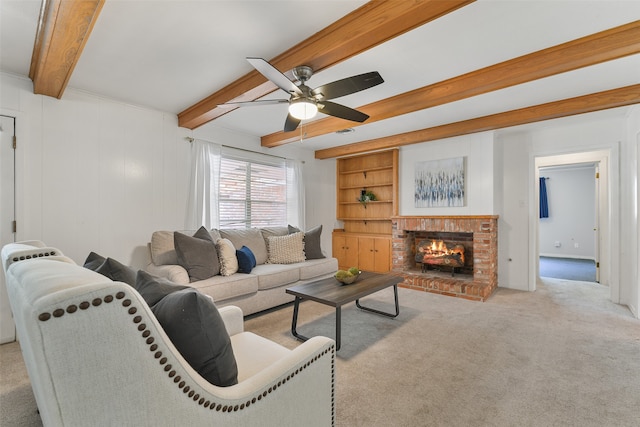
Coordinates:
column 608, row 250
column 8, row 330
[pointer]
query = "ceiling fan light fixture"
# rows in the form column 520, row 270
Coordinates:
column 303, row 109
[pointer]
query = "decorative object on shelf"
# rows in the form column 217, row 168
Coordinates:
column 440, row 183
column 347, row 277
column 366, row 197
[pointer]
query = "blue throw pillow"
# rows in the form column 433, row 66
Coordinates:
column 246, row 260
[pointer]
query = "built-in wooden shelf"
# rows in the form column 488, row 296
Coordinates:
column 365, row 240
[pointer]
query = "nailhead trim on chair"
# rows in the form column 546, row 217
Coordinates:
column 177, row 379
column 37, row 255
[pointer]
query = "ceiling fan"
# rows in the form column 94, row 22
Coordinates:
column 305, row 102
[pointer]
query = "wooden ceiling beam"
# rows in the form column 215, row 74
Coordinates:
column 63, row 30
column 368, row 26
column 567, row 107
column 590, row 50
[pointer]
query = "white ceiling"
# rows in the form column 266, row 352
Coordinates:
column 170, row 54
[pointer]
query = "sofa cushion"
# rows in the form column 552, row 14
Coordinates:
column 249, row 237
column 227, row 255
column 276, row 275
column 274, row 231
column 163, row 251
column 197, row 254
column 195, row 327
column 314, row 268
column 246, row 260
column 221, row 288
column 287, row 249
column 153, row 288
column 312, row 247
column 162, row 248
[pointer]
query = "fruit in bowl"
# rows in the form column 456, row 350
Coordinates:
column 347, row 277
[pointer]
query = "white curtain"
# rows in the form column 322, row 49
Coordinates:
column 295, row 194
column 205, row 186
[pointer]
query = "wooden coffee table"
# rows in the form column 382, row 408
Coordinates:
column 333, row 293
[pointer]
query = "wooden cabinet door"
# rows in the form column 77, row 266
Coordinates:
column 366, row 254
column 374, row 254
column 345, row 249
column 382, row 254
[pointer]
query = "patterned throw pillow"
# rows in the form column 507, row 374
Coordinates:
column 287, row 249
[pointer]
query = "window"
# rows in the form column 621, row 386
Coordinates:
column 236, row 188
column 252, row 193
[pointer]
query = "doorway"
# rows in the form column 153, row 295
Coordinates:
column 568, row 234
column 598, row 163
column 7, row 215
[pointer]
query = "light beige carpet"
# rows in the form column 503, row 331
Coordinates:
column 561, row 356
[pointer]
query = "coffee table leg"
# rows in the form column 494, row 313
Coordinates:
column 338, row 326
column 395, row 295
column 294, row 321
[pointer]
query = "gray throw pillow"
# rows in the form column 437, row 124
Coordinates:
column 194, row 325
column 312, row 248
column 117, row 271
column 153, row 288
column 197, row 254
column 94, row 261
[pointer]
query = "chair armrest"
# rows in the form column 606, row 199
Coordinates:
column 299, row 387
column 175, row 273
column 232, row 318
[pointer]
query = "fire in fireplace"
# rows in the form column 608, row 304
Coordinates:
column 443, row 251
column 436, row 252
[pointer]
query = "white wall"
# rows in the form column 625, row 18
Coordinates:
column 590, row 132
column 478, row 150
column 572, row 212
column 93, row 174
column 99, row 175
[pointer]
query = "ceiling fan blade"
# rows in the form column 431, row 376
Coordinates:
column 338, row 110
column 253, row 103
column 291, row 123
column 276, row 77
column 347, row 86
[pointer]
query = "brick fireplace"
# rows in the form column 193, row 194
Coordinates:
column 484, row 249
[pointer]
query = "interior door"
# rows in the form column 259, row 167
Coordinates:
column 7, row 217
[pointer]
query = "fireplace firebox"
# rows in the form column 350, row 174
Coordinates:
column 444, row 251
column 465, row 247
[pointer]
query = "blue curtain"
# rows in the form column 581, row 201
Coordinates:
column 544, row 203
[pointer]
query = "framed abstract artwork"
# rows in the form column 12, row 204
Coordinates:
column 440, row 183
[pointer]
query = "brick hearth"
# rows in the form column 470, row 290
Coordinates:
column 485, row 255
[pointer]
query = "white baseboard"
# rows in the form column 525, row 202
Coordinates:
column 567, row 256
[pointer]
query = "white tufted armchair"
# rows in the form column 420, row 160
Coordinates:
column 96, row 355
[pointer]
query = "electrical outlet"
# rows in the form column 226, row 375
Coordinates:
column 576, row 245
column 557, row 244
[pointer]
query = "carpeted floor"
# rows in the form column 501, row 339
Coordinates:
column 583, row 270
column 561, row 356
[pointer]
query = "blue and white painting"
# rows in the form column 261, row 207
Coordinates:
column 440, row 183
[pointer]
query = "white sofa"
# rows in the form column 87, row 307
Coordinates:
column 96, row 355
column 261, row 289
